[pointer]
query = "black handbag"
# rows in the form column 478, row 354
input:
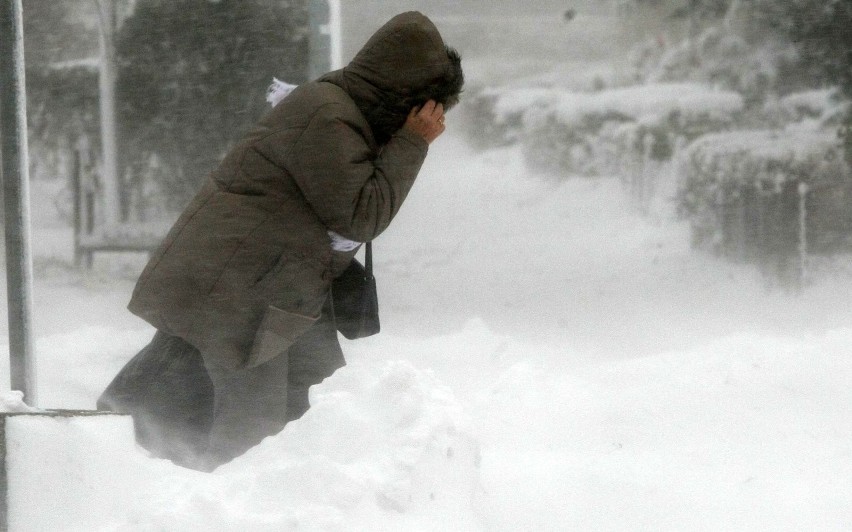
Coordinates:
column 355, row 301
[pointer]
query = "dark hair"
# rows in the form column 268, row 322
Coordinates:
column 389, row 115
column 445, row 90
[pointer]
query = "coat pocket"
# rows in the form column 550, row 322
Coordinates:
column 278, row 330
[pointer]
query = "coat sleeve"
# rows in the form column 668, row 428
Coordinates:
column 353, row 190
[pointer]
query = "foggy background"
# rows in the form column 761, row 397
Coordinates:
column 720, row 125
column 500, row 40
column 717, row 128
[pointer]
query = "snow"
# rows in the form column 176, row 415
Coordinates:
column 71, row 473
column 383, row 449
column 13, row 401
column 88, row 63
column 549, row 360
column 756, row 156
column 813, row 102
column 792, row 144
column 729, row 436
column 641, row 102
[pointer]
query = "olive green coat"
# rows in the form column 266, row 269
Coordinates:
column 246, row 268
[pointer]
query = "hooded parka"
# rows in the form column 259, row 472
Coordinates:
column 247, row 267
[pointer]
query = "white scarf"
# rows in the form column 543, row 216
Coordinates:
column 278, row 91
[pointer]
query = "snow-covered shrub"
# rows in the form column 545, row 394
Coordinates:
column 482, row 125
column 553, row 146
column 595, row 133
column 643, row 58
column 716, row 166
column 767, row 195
column 721, row 58
column 815, row 103
column 812, row 109
column 585, row 132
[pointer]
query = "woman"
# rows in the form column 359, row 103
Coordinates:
column 241, row 282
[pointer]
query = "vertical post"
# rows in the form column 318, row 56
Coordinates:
column 335, row 26
column 76, row 184
column 89, row 212
column 762, row 224
column 803, row 231
column 15, row 173
column 109, row 144
column 320, row 39
column 751, row 221
column 326, row 46
column 645, row 175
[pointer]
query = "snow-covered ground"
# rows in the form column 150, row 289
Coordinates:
column 549, row 360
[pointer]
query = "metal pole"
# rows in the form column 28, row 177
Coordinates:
column 15, row 174
column 109, row 142
column 335, row 26
column 319, row 60
column 803, row 232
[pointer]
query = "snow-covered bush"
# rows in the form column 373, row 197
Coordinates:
column 815, row 103
column 734, row 53
column 722, row 58
column 767, row 195
column 551, row 145
column 717, row 166
column 817, row 108
column 594, row 133
column 482, row 126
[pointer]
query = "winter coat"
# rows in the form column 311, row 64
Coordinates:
column 246, row 268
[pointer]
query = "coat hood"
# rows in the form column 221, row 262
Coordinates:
column 407, row 52
column 404, row 55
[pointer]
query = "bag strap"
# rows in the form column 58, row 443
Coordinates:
column 368, row 259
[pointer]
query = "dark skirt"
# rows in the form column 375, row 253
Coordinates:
column 169, row 392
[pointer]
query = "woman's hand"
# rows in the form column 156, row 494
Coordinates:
column 426, row 121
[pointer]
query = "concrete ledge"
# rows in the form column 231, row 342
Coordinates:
column 52, row 466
